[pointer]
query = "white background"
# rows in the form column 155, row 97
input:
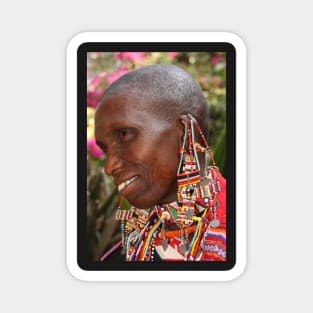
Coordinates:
column 34, row 276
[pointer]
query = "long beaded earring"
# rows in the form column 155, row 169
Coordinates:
column 210, row 190
column 188, row 177
column 195, row 193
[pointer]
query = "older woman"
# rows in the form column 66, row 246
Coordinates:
column 152, row 124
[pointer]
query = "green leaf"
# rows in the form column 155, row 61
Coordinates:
column 219, row 151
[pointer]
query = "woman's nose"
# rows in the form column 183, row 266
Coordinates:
column 113, row 163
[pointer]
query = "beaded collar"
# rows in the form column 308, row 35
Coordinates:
column 143, row 230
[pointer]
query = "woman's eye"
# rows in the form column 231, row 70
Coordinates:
column 125, row 135
column 124, row 132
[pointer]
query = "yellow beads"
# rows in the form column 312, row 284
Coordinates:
column 197, row 219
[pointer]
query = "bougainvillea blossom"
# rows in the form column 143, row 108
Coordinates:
column 215, row 59
column 93, row 97
column 94, row 149
column 116, row 74
column 130, row 56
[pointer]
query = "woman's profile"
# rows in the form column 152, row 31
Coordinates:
column 152, row 124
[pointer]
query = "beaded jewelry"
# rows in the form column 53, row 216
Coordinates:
column 194, row 213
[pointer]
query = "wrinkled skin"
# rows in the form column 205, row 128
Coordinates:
column 139, row 144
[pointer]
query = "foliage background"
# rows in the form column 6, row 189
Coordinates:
column 103, row 68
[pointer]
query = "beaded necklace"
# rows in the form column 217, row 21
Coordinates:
column 142, row 229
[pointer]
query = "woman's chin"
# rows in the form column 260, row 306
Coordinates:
column 140, row 203
column 144, row 204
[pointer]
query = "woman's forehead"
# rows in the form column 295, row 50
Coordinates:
column 115, row 115
column 123, row 104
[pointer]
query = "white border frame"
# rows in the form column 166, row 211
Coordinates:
column 71, row 180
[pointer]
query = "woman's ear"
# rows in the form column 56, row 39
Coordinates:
column 184, row 119
column 182, row 122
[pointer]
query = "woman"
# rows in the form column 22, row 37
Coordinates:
column 152, row 124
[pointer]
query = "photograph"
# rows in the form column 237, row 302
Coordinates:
column 156, row 156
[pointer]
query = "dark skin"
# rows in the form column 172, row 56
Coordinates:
column 142, row 151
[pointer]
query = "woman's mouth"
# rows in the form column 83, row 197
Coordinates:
column 126, row 183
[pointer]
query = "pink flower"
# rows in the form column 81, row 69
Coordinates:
column 94, row 149
column 95, row 82
column 93, row 97
column 215, row 59
column 117, row 55
column 115, row 75
column 130, row 56
column 172, row 55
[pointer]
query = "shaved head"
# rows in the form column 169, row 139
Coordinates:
column 165, row 90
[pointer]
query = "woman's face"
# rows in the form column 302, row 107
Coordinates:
column 142, row 151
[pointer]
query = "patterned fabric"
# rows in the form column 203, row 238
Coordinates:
column 213, row 245
column 143, row 235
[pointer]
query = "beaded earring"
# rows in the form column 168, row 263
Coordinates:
column 195, row 193
column 208, row 198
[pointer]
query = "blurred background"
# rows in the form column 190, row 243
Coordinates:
column 103, row 68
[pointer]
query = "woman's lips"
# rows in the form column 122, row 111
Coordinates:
column 126, row 183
